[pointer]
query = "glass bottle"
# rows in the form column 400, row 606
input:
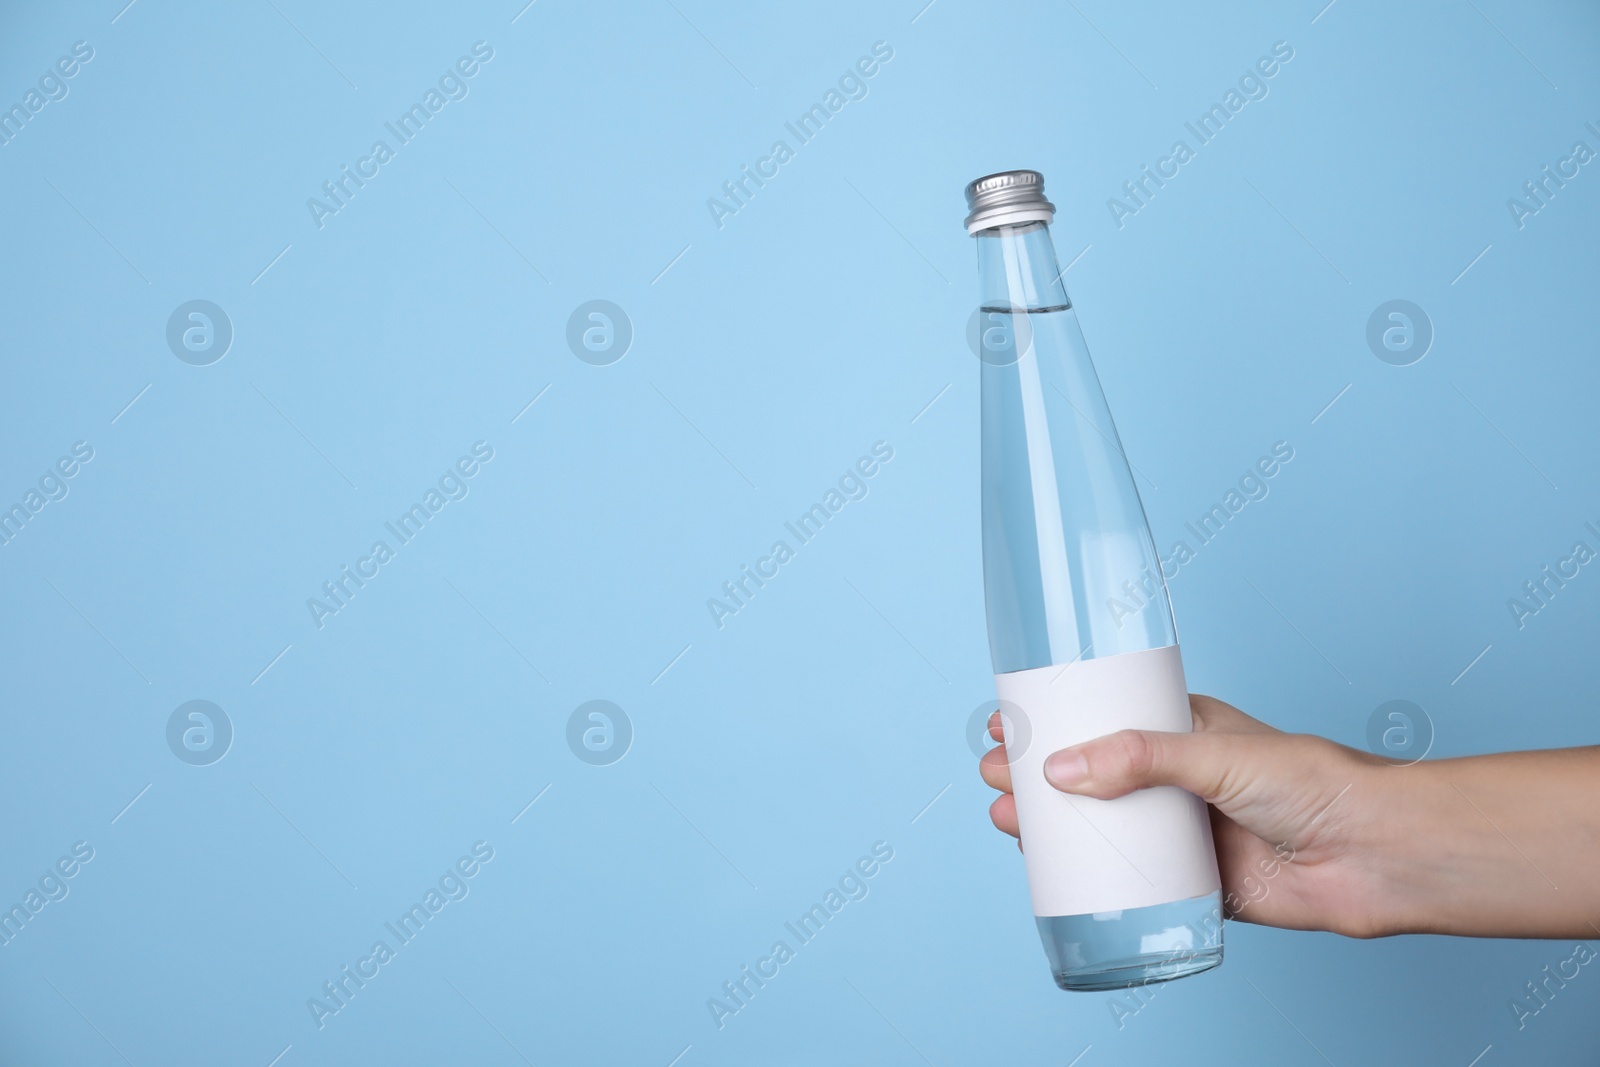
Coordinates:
column 1126, row 891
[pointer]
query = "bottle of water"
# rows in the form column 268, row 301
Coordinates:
column 1125, row 891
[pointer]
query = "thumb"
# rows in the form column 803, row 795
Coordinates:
column 1213, row 766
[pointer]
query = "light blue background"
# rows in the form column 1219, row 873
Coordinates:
column 821, row 318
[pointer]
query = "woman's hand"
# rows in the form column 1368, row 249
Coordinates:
column 1312, row 835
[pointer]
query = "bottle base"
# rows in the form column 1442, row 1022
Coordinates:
column 1139, row 946
column 1138, row 972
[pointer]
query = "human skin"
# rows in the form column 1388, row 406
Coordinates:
column 1311, row 835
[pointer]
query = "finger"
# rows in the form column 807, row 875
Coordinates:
column 996, row 732
column 1212, row 765
column 1243, row 860
column 995, row 770
column 1003, row 813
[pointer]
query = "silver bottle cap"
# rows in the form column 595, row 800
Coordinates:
column 1007, row 198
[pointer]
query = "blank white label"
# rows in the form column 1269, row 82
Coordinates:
column 1085, row 855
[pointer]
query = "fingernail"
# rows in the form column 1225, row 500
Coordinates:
column 1066, row 769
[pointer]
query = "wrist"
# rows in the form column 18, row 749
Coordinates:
column 1425, row 863
column 1380, row 837
column 1465, row 849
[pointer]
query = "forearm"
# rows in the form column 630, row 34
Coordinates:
column 1505, row 845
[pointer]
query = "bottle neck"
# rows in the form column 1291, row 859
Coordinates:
column 1017, row 269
